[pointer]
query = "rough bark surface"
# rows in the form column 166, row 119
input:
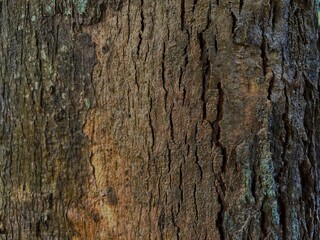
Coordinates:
column 140, row 119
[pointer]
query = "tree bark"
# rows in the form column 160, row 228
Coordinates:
column 159, row 119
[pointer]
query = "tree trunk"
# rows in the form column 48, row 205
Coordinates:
column 159, row 119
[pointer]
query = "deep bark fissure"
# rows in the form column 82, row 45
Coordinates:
column 173, row 219
column 264, row 57
column 274, row 14
column 285, row 167
column 283, row 216
column 219, row 115
column 136, row 77
column 234, row 21
column 169, row 158
column 150, row 124
column 216, row 44
column 220, row 217
column 205, row 72
column 196, row 154
column 194, row 4
column 182, row 14
column 180, row 183
column 270, row 88
column 163, row 74
column 171, row 125
column 128, row 21
column 253, row 168
column 241, row 2
column 185, row 62
column 141, row 26
column 221, row 189
column 195, row 202
column 263, row 222
column 161, row 223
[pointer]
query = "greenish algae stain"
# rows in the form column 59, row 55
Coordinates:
column 50, row 7
column 81, row 5
column 269, row 185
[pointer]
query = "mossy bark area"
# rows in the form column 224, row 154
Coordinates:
column 159, row 119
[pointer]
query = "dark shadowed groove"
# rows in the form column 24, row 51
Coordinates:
column 234, row 22
column 263, row 50
column 163, row 73
column 182, row 14
column 141, row 27
column 241, row 5
column 205, row 72
column 196, row 154
column 220, row 217
column 270, row 88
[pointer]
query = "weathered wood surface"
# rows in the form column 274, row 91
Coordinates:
column 159, row 119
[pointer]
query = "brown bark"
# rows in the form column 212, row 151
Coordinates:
column 159, row 119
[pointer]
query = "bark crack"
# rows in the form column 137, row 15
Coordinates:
column 270, row 88
column 234, row 22
column 151, row 125
column 163, row 74
column 285, row 143
column 175, row 224
column 221, row 188
column 205, row 72
column 194, row 5
column 241, row 6
column 219, row 221
column 141, row 27
column 171, row 125
column 180, row 183
column 129, row 20
column 196, row 154
column 206, row 64
column 182, row 15
column 263, row 53
column 169, row 157
column 136, row 79
column 195, row 201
